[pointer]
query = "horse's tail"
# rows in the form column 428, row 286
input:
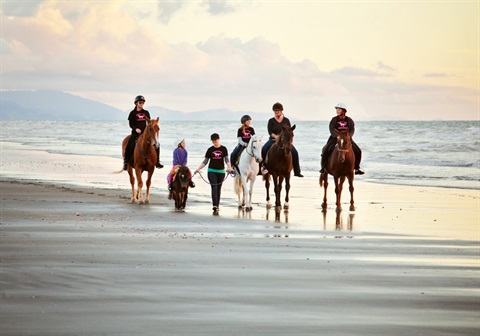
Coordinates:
column 320, row 180
column 118, row 172
column 238, row 184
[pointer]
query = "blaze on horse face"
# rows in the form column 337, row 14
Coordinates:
column 343, row 144
column 152, row 131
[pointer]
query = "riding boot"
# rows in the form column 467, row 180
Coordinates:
column 159, row 164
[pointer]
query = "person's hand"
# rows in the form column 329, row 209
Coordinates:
column 138, row 130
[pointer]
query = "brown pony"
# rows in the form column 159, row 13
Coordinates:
column 279, row 165
column 144, row 159
column 180, row 183
column 340, row 164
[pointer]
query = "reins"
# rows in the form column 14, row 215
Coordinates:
column 227, row 175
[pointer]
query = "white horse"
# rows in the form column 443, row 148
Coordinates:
column 247, row 170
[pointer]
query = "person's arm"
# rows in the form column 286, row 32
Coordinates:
column 229, row 165
column 241, row 142
column 332, row 128
column 270, row 129
column 203, row 164
column 351, row 128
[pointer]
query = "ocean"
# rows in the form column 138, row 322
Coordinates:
column 419, row 153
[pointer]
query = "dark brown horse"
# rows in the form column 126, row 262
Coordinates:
column 144, row 159
column 279, row 164
column 340, row 165
column 180, row 183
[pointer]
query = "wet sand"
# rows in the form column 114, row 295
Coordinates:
column 83, row 260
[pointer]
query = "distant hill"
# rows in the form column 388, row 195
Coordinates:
column 53, row 105
column 58, row 105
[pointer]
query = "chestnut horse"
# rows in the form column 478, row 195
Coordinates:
column 340, row 165
column 180, row 183
column 279, row 164
column 144, row 159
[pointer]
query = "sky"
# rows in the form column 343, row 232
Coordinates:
column 386, row 60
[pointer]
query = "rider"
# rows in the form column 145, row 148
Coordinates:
column 244, row 133
column 274, row 128
column 340, row 123
column 180, row 158
column 138, row 121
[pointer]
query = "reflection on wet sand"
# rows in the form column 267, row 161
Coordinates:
column 278, row 213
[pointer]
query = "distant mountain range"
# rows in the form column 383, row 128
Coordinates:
column 59, row 105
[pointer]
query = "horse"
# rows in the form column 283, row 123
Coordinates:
column 279, row 164
column 144, row 159
column 247, row 170
column 340, row 165
column 180, row 183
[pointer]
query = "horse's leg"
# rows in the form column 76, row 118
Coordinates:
column 338, row 191
column 149, row 183
column 138, row 173
column 244, row 190
column 267, row 187
column 287, row 189
column 324, row 176
column 278, row 190
column 250, row 192
column 185, row 196
column 351, row 188
column 132, row 184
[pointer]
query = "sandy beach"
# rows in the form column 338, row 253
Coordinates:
column 80, row 259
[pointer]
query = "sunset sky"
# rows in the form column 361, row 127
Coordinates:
column 384, row 59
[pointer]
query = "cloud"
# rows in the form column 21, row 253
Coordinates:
column 20, row 8
column 167, row 9
column 357, row 72
column 99, row 51
column 215, row 7
column 435, row 75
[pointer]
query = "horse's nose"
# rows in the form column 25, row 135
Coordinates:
column 258, row 160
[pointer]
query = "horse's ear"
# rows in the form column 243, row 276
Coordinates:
column 158, row 118
column 293, row 127
column 148, row 119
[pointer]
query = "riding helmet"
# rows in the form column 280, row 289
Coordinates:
column 139, row 98
column 342, row 106
column 245, row 118
column 179, row 141
column 277, row 107
column 214, row 136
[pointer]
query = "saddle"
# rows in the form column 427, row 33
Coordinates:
column 174, row 171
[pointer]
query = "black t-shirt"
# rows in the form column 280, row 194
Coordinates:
column 245, row 134
column 138, row 119
column 216, row 157
column 341, row 125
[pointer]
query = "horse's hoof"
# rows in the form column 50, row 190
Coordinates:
column 286, row 206
column 248, row 209
column 240, row 207
column 338, row 209
column 352, row 208
column 324, row 206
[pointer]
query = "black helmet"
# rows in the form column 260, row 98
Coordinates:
column 277, row 107
column 139, row 98
column 214, row 136
column 245, row 118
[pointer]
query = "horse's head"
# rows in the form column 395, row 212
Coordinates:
column 151, row 132
column 285, row 138
column 183, row 175
column 344, row 144
column 254, row 147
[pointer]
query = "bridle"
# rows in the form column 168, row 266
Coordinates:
column 252, row 154
column 149, row 141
